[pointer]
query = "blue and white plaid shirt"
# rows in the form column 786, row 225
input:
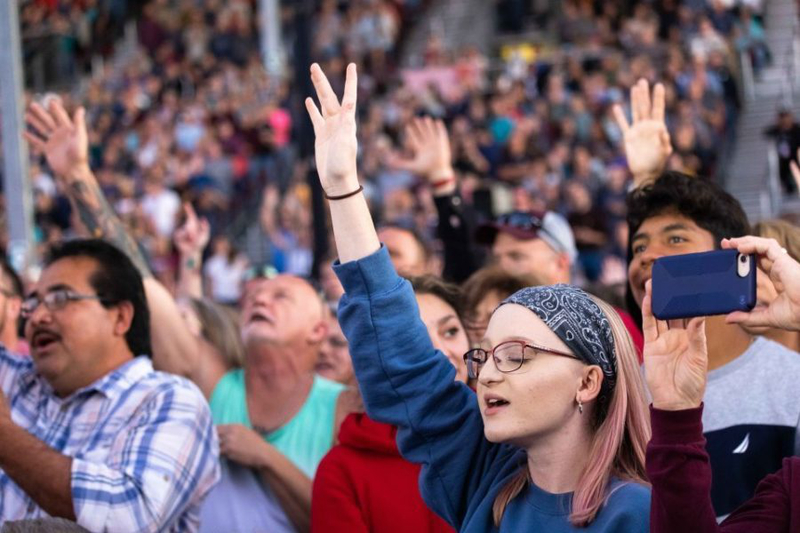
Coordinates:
column 144, row 449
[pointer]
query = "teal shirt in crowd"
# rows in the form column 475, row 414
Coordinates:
column 406, row 382
column 305, row 439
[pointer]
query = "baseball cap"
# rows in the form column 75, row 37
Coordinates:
column 551, row 227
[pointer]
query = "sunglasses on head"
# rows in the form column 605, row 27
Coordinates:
column 524, row 221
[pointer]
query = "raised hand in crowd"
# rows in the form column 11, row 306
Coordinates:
column 783, row 271
column 432, row 157
column 646, row 139
column 675, row 359
column 335, row 151
column 63, row 140
column 191, row 238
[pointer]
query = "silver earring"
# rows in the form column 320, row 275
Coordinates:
column 580, row 406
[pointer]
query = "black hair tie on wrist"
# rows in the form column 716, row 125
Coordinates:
column 343, row 196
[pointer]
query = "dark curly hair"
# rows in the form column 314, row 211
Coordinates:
column 698, row 199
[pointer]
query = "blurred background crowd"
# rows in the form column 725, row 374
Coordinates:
column 181, row 109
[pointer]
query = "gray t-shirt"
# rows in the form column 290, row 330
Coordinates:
column 242, row 503
column 751, row 420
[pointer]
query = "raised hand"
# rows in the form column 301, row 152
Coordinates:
column 431, row 145
column 675, row 359
column 63, row 140
column 784, row 311
column 192, row 237
column 335, row 131
column 646, row 139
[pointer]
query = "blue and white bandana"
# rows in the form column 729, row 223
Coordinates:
column 579, row 322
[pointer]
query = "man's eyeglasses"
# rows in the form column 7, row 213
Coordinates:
column 54, row 301
column 508, row 356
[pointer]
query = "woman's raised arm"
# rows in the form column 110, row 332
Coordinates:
column 336, row 148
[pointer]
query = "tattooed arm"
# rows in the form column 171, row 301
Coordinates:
column 99, row 219
column 64, row 142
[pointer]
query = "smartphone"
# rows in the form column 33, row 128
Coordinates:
column 704, row 284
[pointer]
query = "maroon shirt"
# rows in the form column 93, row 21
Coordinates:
column 679, row 469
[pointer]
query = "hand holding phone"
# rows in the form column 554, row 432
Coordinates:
column 703, row 284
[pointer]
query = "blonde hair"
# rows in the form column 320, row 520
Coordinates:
column 220, row 328
column 786, row 233
column 619, row 441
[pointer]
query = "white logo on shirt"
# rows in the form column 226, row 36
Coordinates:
column 744, row 445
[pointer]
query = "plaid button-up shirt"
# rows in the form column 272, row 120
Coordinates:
column 143, row 447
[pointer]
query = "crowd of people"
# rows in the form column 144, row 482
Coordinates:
column 193, row 116
column 478, row 352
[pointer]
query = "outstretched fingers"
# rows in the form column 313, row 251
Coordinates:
column 441, row 130
column 313, row 113
column 649, row 322
column 79, row 119
column 327, row 98
column 59, row 113
column 350, row 88
column 644, row 100
column 755, row 245
column 34, row 140
column 621, row 119
column 659, row 103
column 41, row 116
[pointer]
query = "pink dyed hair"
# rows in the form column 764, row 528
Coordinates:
column 620, row 439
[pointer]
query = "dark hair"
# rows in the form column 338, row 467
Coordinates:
column 450, row 293
column 491, row 279
column 421, row 243
column 698, row 199
column 115, row 280
column 16, row 282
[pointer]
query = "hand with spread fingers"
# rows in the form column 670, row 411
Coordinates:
column 61, row 138
column 335, row 130
column 784, row 272
column 431, row 145
column 647, row 141
column 675, row 359
column 192, row 237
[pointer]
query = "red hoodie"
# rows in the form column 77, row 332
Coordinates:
column 363, row 485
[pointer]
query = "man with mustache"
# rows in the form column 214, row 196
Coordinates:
column 89, row 432
column 275, row 417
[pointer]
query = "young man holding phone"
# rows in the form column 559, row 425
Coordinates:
column 751, row 416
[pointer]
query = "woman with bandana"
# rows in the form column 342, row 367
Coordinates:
column 555, row 439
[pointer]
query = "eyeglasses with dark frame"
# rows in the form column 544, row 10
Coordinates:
column 55, row 301
column 508, row 356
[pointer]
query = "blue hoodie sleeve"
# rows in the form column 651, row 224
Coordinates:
column 406, row 382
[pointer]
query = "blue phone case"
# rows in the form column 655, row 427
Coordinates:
column 703, row 284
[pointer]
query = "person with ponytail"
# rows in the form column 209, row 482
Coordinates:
column 554, row 440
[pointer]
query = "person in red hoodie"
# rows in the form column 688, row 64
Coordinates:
column 363, row 484
column 675, row 360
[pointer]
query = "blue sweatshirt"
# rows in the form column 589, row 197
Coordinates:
column 405, row 382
